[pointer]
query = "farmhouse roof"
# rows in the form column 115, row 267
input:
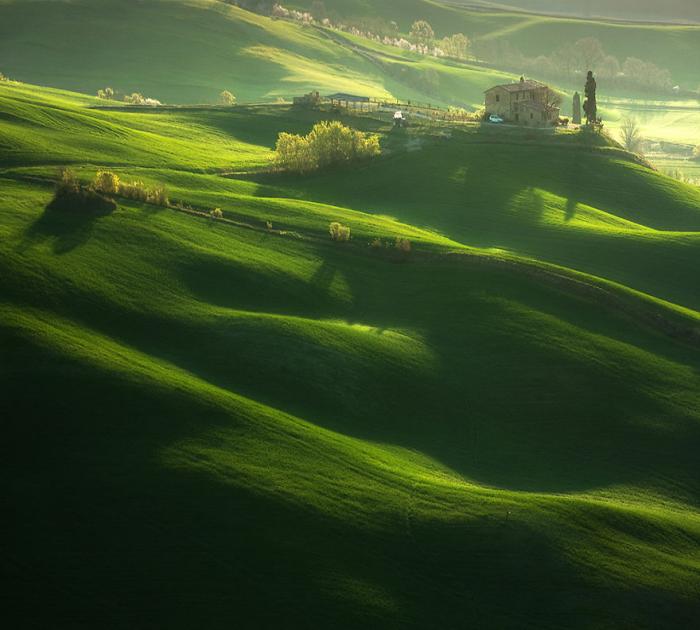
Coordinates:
column 529, row 84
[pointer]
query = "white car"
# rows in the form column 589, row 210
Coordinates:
column 494, row 118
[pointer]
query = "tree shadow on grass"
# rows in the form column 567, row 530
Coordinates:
column 68, row 222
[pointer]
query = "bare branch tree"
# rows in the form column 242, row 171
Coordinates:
column 552, row 100
column 631, row 135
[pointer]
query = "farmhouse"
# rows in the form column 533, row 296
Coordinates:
column 526, row 102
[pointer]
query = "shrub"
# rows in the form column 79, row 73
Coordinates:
column 293, row 153
column 216, row 214
column 140, row 99
column 109, row 183
column 376, row 243
column 339, row 232
column 134, row 99
column 327, row 143
column 106, row 182
column 227, row 98
column 696, row 153
column 67, row 181
column 158, row 196
column 403, row 245
column 3, row 77
column 268, row 225
column 107, row 93
column 133, row 190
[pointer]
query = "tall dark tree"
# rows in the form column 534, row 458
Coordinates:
column 590, row 105
column 577, row 109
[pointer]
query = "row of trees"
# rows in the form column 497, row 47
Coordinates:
column 109, row 183
column 108, row 94
column 421, row 37
column 135, row 98
column 568, row 63
column 571, row 62
column 328, row 143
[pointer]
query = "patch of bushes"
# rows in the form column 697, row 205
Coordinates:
column 327, row 143
column 216, row 214
column 3, row 77
column 403, row 245
column 133, row 190
column 106, row 182
column 139, row 99
column 109, row 183
column 339, row 232
column 107, row 93
column 393, row 248
column 72, row 196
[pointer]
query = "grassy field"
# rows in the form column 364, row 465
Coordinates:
column 669, row 46
column 254, row 57
column 209, row 421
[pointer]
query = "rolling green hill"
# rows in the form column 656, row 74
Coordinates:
column 668, row 46
column 210, row 422
column 188, row 52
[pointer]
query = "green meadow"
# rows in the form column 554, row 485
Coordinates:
column 237, row 422
column 668, row 45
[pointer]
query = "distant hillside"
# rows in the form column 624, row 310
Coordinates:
column 642, row 10
column 667, row 46
column 189, row 51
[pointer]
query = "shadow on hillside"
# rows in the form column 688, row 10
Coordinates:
column 155, row 493
column 570, row 211
column 324, row 275
column 501, row 402
column 66, row 228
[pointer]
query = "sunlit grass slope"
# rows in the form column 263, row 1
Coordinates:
column 188, row 52
column 172, row 50
column 207, row 424
column 590, row 208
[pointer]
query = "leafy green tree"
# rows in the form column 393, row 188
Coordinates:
column 106, row 182
column 457, row 45
column 339, row 232
column 226, row 98
column 293, row 153
column 327, row 143
column 422, row 33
